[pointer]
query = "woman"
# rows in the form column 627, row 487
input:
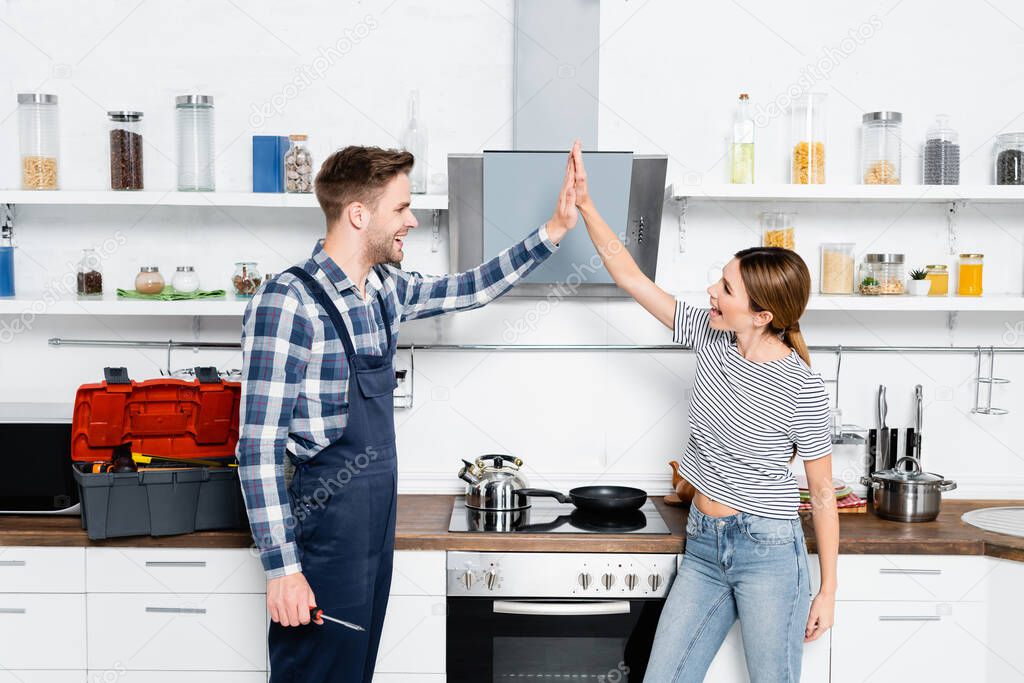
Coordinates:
column 755, row 406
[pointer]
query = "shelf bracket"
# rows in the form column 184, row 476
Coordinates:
column 952, row 318
column 953, row 224
column 195, row 330
column 435, row 230
column 682, row 224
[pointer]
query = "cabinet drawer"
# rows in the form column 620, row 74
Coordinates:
column 26, row 569
column 190, row 632
column 408, row 678
column 910, row 641
column 42, row 631
column 122, row 676
column 419, row 572
column 173, row 570
column 42, row 676
column 909, row 577
column 413, row 640
column 730, row 663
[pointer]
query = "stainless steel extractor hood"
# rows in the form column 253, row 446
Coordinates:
column 496, row 198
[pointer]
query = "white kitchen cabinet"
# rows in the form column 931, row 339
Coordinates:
column 153, row 631
column 123, row 676
column 39, row 676
column 409, row 678
column 1003, row 587
column 413, row 640
column 893, row 641
column 911, row 577
column 42, row 631
column 31, row 569
column 174, row 570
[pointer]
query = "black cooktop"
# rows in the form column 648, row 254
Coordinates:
column 550, row 516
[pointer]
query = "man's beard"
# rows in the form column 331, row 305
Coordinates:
column 381, row 249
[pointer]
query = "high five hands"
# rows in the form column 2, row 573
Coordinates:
column 574, row 194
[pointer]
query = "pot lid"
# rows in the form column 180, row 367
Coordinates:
column 915, row 476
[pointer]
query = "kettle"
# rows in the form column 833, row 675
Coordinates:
column 493, row 483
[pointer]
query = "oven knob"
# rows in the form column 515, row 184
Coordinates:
column 608, row 580
column 491, row 578
column 631, row 581
column 655, row 581
column 467, row 578
column 585, row 580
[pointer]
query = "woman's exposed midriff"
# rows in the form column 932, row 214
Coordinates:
column 712, row 508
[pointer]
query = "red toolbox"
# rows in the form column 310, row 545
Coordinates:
column 174, row 418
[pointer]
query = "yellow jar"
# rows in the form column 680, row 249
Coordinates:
column 938, row 275
column 969, row 279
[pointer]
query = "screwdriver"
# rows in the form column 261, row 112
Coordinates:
column 316, row 613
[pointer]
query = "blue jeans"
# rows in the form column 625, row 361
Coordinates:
column 745, row 566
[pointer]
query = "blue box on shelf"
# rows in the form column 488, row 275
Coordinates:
column 268, row 162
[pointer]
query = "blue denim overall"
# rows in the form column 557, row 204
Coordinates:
column 344, row 501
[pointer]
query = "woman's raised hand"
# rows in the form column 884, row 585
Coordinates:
column 582, row 192
column 565, row 215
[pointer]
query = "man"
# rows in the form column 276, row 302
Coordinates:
column 318, row 343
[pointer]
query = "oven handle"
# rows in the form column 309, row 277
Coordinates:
column 561, row 609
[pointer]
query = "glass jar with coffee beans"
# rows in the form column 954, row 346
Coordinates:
column 247, row 278
column 1009, row 159
column 125, row 150
column 298, row 166
column 90, row 274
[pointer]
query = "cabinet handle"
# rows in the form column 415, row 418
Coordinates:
column 909, row 617
column 888, row 570
column 155, row 563
column 552, row 609
column 177, row 610
column 12, row 610
column 12, row 563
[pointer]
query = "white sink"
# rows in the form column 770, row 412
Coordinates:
column 1006, row 520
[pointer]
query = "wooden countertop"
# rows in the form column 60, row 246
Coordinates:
column 423, row 525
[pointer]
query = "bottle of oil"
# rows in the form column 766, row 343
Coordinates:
column 741, row 153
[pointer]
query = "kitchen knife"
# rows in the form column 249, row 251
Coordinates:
column 882, row 461
column 892, row 453
column 317, row 613
column 872, row 451
column 919, row 397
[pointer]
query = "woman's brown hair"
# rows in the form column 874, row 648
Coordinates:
column 777, row 280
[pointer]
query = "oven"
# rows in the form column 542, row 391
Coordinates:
column 587, row 617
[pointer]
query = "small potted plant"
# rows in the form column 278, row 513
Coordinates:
column 919, row 284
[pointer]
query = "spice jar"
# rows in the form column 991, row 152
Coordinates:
column 969, row 275
column 777, row 229
column 185, row 280
column 90, row 274
column 938, row 276
column 247, row 278
column 39, row 140
column 1009, row 159
column 194, row 136
column 149, row 280
column 941, row 165
column 807, row 139
column 882, row 274
column 837, row 269
column 881, row 158
column 298, row 166
column 125, row 150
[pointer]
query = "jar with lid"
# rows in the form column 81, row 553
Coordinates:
column 125, row 150
column 39, row 140
column 807, row 139
column 90, row 274
column 777, row 229
column 881, row 157
column 837, row 267
column 882, row 274
column 298, row 166
column 149, row 280
column 968, row 281
column 938, row 276
column 247, row 278
column 185, row 280
column 193, row 122
column 1009, row 159
column 941, row 158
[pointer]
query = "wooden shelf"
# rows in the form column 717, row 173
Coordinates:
column 196, row 199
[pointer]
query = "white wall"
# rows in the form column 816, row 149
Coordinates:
column 670, row 73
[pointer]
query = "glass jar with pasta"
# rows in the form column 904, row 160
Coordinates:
column 837, row 267
column 777, row 229
column 807, row 139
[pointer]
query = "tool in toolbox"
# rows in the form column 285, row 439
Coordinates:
column 315, row 613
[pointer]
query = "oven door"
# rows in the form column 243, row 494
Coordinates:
column 589, row 641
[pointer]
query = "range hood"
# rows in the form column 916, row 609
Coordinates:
column 496, row 198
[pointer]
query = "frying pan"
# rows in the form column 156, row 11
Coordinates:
column 596, row 498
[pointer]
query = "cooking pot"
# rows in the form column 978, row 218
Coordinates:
column 911, row 496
